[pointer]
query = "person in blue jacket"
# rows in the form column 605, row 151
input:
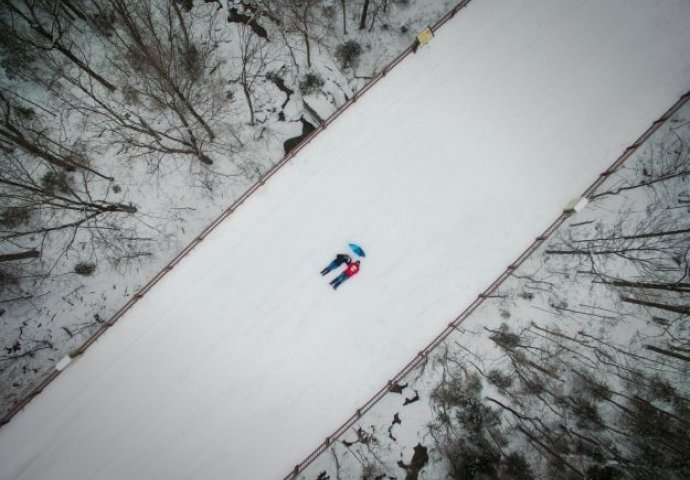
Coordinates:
column 340, row 259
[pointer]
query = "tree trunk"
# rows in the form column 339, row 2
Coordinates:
column 551, row 451
column 667, row 352
column 363, row 18
column 642, row 184
column 182, row 24
column 247, row 94
column 38, row 28
column 14, row 136
column 11, row 257
column 640, row 235
column 344, row 7
column 306, row 42
column 683, row 310
column 78, row 202
column 671, row 287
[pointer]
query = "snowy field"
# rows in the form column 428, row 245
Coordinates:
column 242, row 360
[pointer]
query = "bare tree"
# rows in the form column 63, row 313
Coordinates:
column 662, row 164
column 374, row 9
column 21, row 127
column 157, row 44
column 47, row 26
column 46, row 209
column 642, row 255
column 253, row 64
column 41, row 199
column 172, row 98
column 304, row 18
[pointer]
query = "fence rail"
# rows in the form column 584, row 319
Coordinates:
column 21, row 403
column 423, row 354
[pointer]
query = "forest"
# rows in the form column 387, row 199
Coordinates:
column 127, row 126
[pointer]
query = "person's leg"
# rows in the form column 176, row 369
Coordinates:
column 330, row 267
column 338, row 280
column 343, row 280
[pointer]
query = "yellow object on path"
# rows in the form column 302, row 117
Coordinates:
column 424, row 36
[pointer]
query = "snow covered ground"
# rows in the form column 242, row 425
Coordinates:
column 46, row 309
column 562, row 324
column 243, row 359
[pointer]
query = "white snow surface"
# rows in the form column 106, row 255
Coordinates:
column 242, row 359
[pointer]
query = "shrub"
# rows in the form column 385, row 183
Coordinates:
column 55, row 181
column 14, row 216
column 348, row 54
column 515, row 466
column 311, row 83
column 84, row 268
column 587, row 414
column 660, row 389
column 192, row 62
column 607, row 472
column 505, row 338
column 104, row 23
column 329, row 11
column 598, row 389
column 25, row 113
column 130, row 95
column 17, row 56
column 7, row 279
column 499, row 379
column 472, row 458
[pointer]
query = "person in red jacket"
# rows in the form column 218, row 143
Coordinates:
column 352, row 269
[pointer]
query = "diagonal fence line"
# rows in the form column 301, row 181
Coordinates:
column 21, row 403
column 452, row 326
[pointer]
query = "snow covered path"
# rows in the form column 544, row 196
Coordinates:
column 242, row 360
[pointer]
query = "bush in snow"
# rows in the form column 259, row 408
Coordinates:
column 104, row 22
column 466, row 429
column 55, row 181
column 7, row 279
column 130, row 95
column 84, row 268
column 499, row 379
column 14, row 216
column 348, row 54
column 311, row 83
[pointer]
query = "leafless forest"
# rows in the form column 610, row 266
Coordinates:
column 128, row 125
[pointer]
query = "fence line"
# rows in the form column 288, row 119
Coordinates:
column 21, row 403
column 423, row 354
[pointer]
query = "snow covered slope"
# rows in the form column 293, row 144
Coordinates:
column 243, row 359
